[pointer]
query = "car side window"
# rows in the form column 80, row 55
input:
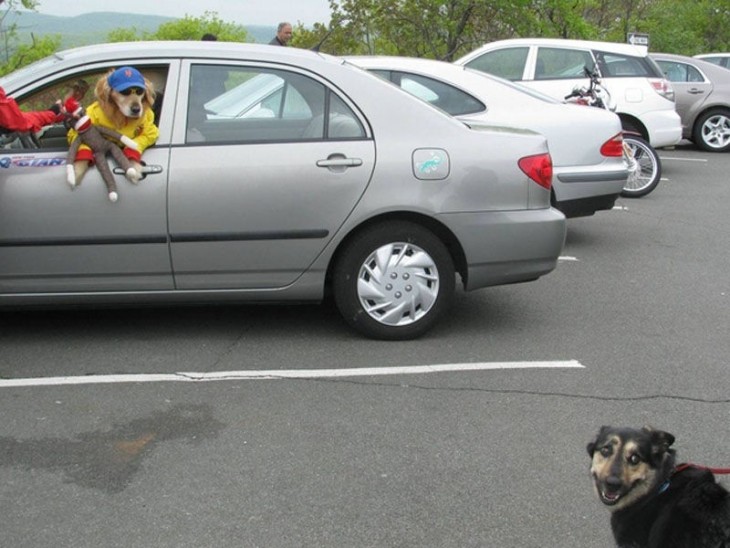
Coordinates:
column 558, row 63
column 81, row 86
column 680, row 72
column 675, row 72
column 444, row 96
column 617, row 66
column 694, row 75
column 509, row 63
column 253, row 104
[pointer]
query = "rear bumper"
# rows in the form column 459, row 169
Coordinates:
column 584, row 207
column 664, row 127
column 503, row 247
column 579, row 193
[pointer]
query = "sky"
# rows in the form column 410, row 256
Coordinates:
column 242, row 12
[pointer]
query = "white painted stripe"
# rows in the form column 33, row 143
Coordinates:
column 684, row 159
column 567, row 258
column 283, row 374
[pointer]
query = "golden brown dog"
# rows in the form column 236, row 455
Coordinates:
column 120, row 107
column 124, row 100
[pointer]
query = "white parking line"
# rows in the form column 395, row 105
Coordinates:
column 683, row 159
column 274, row 374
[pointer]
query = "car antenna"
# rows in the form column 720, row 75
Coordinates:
column 336, row 23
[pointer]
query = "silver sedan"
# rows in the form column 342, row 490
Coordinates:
column 702, row 96
column 334, row 180
column 585, row 143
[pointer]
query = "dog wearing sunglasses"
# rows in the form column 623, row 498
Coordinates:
column 124, row 100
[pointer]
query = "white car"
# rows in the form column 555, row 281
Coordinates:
column 721, row 59
column 588, row 169
column 644, row 97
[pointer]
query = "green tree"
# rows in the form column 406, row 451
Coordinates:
column 420, row 28
column 689, row 28
column 25, row 54
column 187, row 28
column 8, row 28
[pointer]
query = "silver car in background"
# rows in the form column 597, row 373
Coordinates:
column 334, row 181
column 702, row 96
column 585, row 143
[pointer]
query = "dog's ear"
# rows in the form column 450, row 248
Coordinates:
column 591, row 447
column 102, row 89
column 149, row 95
column 661, row 439
column 660, row 443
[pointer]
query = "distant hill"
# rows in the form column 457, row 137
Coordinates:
column 93, row 28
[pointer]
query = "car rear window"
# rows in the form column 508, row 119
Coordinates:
column 440, row 94
column 626, row 66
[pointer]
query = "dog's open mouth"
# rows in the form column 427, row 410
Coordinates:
column 608, row 497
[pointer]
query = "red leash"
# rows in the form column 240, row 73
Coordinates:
column 686, row 465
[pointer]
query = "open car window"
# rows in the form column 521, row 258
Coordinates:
column 53, row 135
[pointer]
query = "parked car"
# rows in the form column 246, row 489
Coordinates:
column 588, row 170
column 702, row 94
column 644, row 97
column 721, row 59
column 346, row 184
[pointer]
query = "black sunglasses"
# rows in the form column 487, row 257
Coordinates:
column 130, row 91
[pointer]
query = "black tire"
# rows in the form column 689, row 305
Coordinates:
column 414, row 290
column 645, row 167
column 712, row 131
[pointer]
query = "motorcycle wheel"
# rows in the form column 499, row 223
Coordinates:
column 645, row 167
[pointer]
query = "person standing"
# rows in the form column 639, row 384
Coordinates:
column 283, row 35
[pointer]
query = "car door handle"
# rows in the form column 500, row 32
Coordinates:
column 146, row 170
column 339, row 162
column 695, row 91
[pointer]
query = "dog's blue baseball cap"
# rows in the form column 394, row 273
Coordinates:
column 125, row 78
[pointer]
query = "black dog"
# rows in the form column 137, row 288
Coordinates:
column 654, row 502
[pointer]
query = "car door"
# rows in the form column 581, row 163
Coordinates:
column 55, row 239
column 691, row 88
column 261, row 183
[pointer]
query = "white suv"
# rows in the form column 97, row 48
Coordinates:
column 644, row 97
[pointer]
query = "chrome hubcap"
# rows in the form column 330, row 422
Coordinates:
column 398, row 284
column 716, row 131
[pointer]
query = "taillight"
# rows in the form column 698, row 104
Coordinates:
column 539, row 168
column 662, row 87
column 614, row 147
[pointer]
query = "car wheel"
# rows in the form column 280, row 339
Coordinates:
column 393, row 281
column 712, row 131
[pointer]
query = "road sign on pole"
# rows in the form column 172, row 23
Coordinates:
column 638, row 39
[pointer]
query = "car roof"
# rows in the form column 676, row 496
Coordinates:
column 190, row 49
column 616, row 47
column 445, row 70
column 701, row 55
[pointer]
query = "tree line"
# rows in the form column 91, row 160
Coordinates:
column 440, row 29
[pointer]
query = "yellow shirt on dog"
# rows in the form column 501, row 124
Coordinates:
column 142, row 131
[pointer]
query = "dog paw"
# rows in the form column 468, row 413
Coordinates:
column 71, row 176
column 113, row 196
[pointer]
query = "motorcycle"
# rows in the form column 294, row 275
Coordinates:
column 644, row 165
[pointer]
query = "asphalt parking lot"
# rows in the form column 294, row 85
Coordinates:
column 266, row 440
